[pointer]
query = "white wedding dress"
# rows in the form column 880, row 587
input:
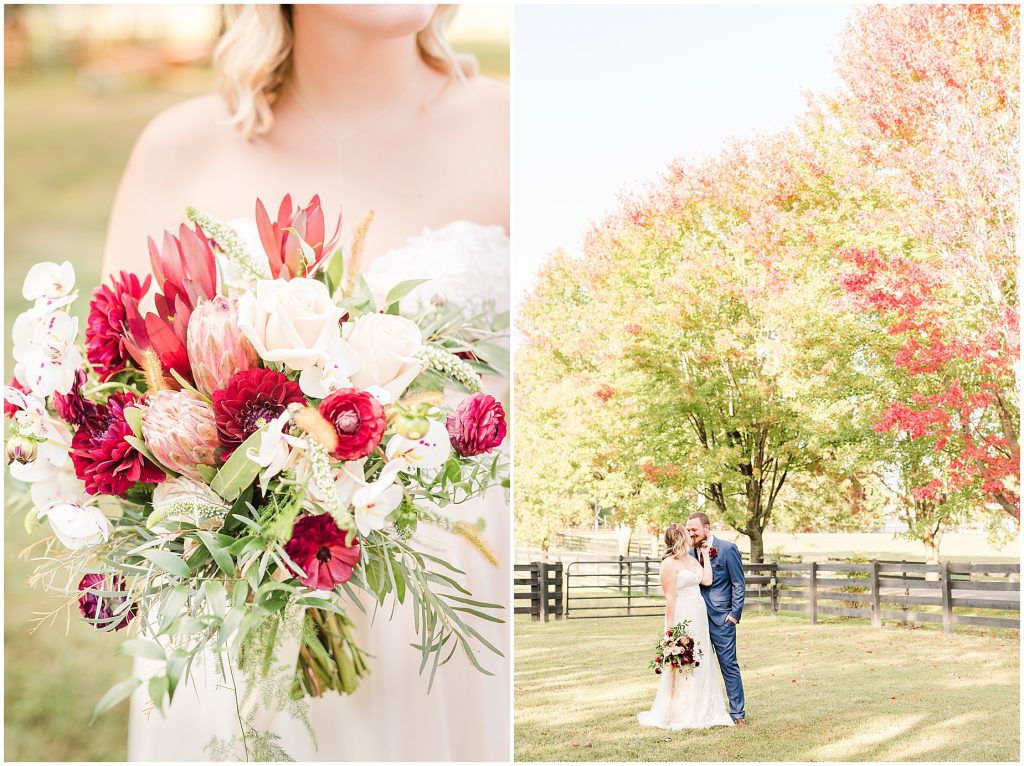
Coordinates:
column 390, row 717
column 693, row 699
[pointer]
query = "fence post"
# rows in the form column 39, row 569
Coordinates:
column 876, row 596
column 947, row 598
column 535, row 591
column 775, row 588
column 647, row 577
column 620, row 571
column 543, row 591
column 558, row 590
column 812, row 595
column 629, row 587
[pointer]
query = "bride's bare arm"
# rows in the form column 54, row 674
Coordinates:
column 668, row 584
column 153, row 191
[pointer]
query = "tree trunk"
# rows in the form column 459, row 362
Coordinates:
column 931, row 539
column 756, row 536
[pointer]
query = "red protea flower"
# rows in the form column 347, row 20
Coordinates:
column 217, row 348
column 477, row 425
column 359, row 420
column 73, row 407
column 186, row 271
column 181, row 431
column 283, row 251
column 322, row 550
column 10, row 408
column 101, row 608
column 107, row 463
column 250, row 400
column 105, row 334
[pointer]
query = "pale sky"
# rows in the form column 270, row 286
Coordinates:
column 605, row 97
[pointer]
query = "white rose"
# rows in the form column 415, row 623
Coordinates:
column 77, row 526
column 387, row 345
column 294, row 322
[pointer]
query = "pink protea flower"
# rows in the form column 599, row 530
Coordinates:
column 105, row 334
column 217, row 348
column 181, row 431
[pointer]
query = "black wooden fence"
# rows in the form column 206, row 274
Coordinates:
column 947, row 594
column 538, row 586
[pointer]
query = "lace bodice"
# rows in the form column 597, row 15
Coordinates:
column 687, row 582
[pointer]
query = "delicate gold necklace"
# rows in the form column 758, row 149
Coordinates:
column 338, row 141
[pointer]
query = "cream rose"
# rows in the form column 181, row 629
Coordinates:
column 293, row 322
column 387, row 346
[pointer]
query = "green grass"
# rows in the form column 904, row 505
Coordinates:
column 836, row 692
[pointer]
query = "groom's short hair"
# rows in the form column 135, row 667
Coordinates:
column 702, row 516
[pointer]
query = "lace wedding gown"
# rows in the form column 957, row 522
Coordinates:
column 694, row 699
column 390, row 717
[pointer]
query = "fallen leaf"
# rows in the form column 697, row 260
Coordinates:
column 590, row 743
column 575, row 744
column 794, row 680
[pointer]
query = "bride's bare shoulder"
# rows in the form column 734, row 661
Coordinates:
column 164, row 165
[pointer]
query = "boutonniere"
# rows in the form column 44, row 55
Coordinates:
column 712, row 552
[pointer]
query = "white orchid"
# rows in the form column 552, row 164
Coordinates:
column 52, row 438
column 77, row 525
column 333, row 372
column 50, row 285
column 45, row 352
column 277, row 447
column 378, row 500
column 428, row 453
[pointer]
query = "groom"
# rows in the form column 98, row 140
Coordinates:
column 724, row 599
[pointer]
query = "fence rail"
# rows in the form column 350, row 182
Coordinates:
column 627, row 586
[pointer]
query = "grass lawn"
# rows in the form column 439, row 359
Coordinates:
column 836, row 692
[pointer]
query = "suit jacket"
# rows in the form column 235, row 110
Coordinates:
column 724, row 596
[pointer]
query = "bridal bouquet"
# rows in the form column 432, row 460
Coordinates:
column 677, row 650
column 223, row 473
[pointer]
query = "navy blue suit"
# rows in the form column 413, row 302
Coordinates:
column 724, row 598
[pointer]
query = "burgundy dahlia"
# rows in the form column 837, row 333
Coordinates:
column 477, row 426
column 250, row 400
column 73, row 407
column 101, row 608
column 359, row 420
column 105, row 333
column 10, row 408
column 107, row 463
column 320, row 548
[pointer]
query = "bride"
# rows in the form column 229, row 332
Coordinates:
column 368, row 107
column 692, row 699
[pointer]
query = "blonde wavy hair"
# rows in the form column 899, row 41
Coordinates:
column 254, row 55
column 677, row 541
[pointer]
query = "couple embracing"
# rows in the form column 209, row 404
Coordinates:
column 703, row 581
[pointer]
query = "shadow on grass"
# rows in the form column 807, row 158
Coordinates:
column 826, row 692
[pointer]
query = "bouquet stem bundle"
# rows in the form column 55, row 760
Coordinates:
column 329, row 658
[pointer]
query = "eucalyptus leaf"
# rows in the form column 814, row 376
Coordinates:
column 133, row 417
column 219, row 553
column 168, row 562
column 115, row 694
column 158, row 686
column 402, row 289
column 140, row 647
column 174, row 601
column 239, row 472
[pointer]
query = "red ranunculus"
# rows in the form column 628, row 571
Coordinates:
column 359, row 420
column 250, row 400
column 105, row 334
column 477, row 426
column 712, row 551
column 319, row 547
column 102, row 608
column 107, row 463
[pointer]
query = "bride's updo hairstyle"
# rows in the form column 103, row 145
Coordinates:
column 677, row 541
column 254, row 55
